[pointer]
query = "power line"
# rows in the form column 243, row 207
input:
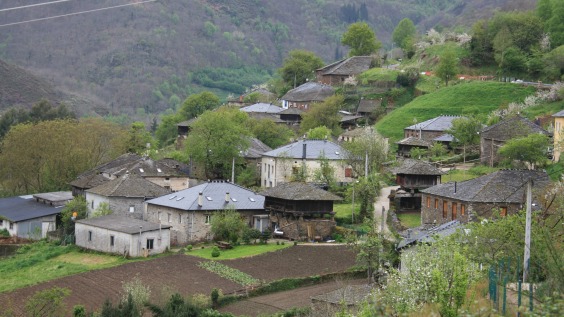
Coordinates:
column 76, row 13
column 33, row 5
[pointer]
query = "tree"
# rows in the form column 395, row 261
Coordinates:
column 325, row 173
column 372, row 146
column 368, row 249
column 139, row 139
column 48, row 303
column 197, row 104
column 554, row 63
column 465, row 132
column 227, row 225
column 271, row 134
column 319, row 133
column 556, row 23
column 167, row 131
column 103, row 209
column 447, row 67
column 404, row 34
column 530, row 149
column 361, row 40
column 299, row 67
column 367, row 189
column 325, row 113
column 544, row 9
column 74, row 210
column 216, row 138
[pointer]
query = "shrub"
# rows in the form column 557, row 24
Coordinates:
column 250, row 234
column 265, row 236
column 189, row 247
column 4, row 233
column 214, row 297
column 215, row 252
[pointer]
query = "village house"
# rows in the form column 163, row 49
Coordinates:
column 183, row 128
column 431, row 129
column 291, row 116
column 367, row 106
column 300, row 211
column 470, row 200
column 190, row 211
column 122, row 235
column 558, row 135
column 336, row 73
column 32, row 216
column 302, row 97
column 125, row 195
column 413, row 176
column 406, row 145
column 495, row 136
column 283, row 164
column 167, row 173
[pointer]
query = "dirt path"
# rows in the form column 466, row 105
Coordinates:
column 383, row 204
column 272, row 303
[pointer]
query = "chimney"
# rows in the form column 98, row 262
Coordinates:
column 227, row 198
column 409, row 233
column 455, row 187
column 304, row 151
column 200, row 200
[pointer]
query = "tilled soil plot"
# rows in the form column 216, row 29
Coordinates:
column 180, row 273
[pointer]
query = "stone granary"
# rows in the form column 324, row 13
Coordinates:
column 337, row 72
column 300, row 211
column 413, row 176
column 302, row 97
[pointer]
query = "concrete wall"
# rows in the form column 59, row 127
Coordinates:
column 281, row 170
column 94, row 200
column 35, row 229
column 123, row 243
column 124, row 206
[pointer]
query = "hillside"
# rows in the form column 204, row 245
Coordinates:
column 480, row 98
column 146, row 58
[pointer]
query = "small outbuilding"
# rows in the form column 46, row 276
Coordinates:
column 122, row 235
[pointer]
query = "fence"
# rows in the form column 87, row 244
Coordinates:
column 508, row 272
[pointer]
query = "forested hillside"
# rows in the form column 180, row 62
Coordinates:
column 149, row 57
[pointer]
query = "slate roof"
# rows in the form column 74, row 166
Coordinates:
column 419, row 235
column 358, row 132
column 440, row 123
column 129, row 185
column 510, row 128
column 503, row 186
column 299, row 191
column 122, row 224
column 93, row 178
column 256, row 149
column 309, row 91
column 314, row 150
column 444, row 138
column 414, row 141
column 186, row 123
column 559, row 114
column 347, row 118
column 21, row 208
column 262, row 108
column 416, row 167
column 368, row 105
column 240, row 198
column 263, row 115
column 347, row 67
column 54, row 198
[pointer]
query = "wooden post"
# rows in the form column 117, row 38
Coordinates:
column 527, row 255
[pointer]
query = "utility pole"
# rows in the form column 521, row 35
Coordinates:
column 233, row 171
column 527, row 255
column 366, row 164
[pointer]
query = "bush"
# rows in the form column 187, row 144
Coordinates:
column 4, row 233
column 189, row 247
column 250, row 234
column 265, row 236
column 214, row 297
column 215, row 252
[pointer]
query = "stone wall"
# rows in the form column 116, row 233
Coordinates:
column 173, row 183
column 301, row 228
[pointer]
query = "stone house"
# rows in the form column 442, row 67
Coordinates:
column 282, row 164
column 495, row 136
column 32, row 216
column 302, row 97
column 406, row 145
column 367, row 106
column 337, row 72
column 477, row 198
column 122, row 235
column 413, row 176
column 125, row 195
column 558, row 135
column 300, row 211
column 430, row 129
column 189, row 211
column 291, row 116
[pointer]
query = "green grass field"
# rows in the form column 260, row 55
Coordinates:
column 343, row 212
column 410, row 220
column 378, row 74
column 239, row 251
column 470, row 98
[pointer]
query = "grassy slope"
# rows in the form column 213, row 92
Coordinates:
column 466, row 98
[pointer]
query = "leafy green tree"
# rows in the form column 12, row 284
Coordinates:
column 448, row 66
column 197, row 104
column 167, row 131
column 544, row 9
column 367, row 189
column 139, row 140
column 554, row 63
column 370, row 144
column 530, row 149
column 368, row 249
column 325, row 113
column 325, row 173
column 44, row 110
column 78, row 206
column 216, row 138
column 227, row 225
column 271, row 134
column 299, row 66
column 102, row 210
column 48, row 303
column 556, row 23
column 404, row 34
column 248, row 177
column 465, row 132
column 361, row 39
column 319, row 133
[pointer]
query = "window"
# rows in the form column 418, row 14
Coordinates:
column 131, row 208
column 92, row 205
column 436, row 203
column 208, row 219
column 1, row 223
column 462, row 209
column 445, row 205
column 503, row 211
column 179, row 218
column 89, row 235
column 150, row 244
column 348, row 172
column 169, row 218
column 454, row 211
column 11, row 225
column 112, row 240
column 428, row 202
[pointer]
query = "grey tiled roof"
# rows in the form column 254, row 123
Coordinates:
column 427, row 235
column 346, row 118
column 299, row 191
column 129, row 185
column 358, row 132
column 350, row 66
column 416, row 167
column 504, row 186
column 256, row 149
column 22, row 208
column 314, row 150
column 440, row 123
column 511, row 128
column 93, row 178
column 187, row 199
column 262, row 107
column 122, row 224
column 268, row 116
column 368, row 105
column 309, row 91
column 559, row 114
column 414, row 142
column 444, row 138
